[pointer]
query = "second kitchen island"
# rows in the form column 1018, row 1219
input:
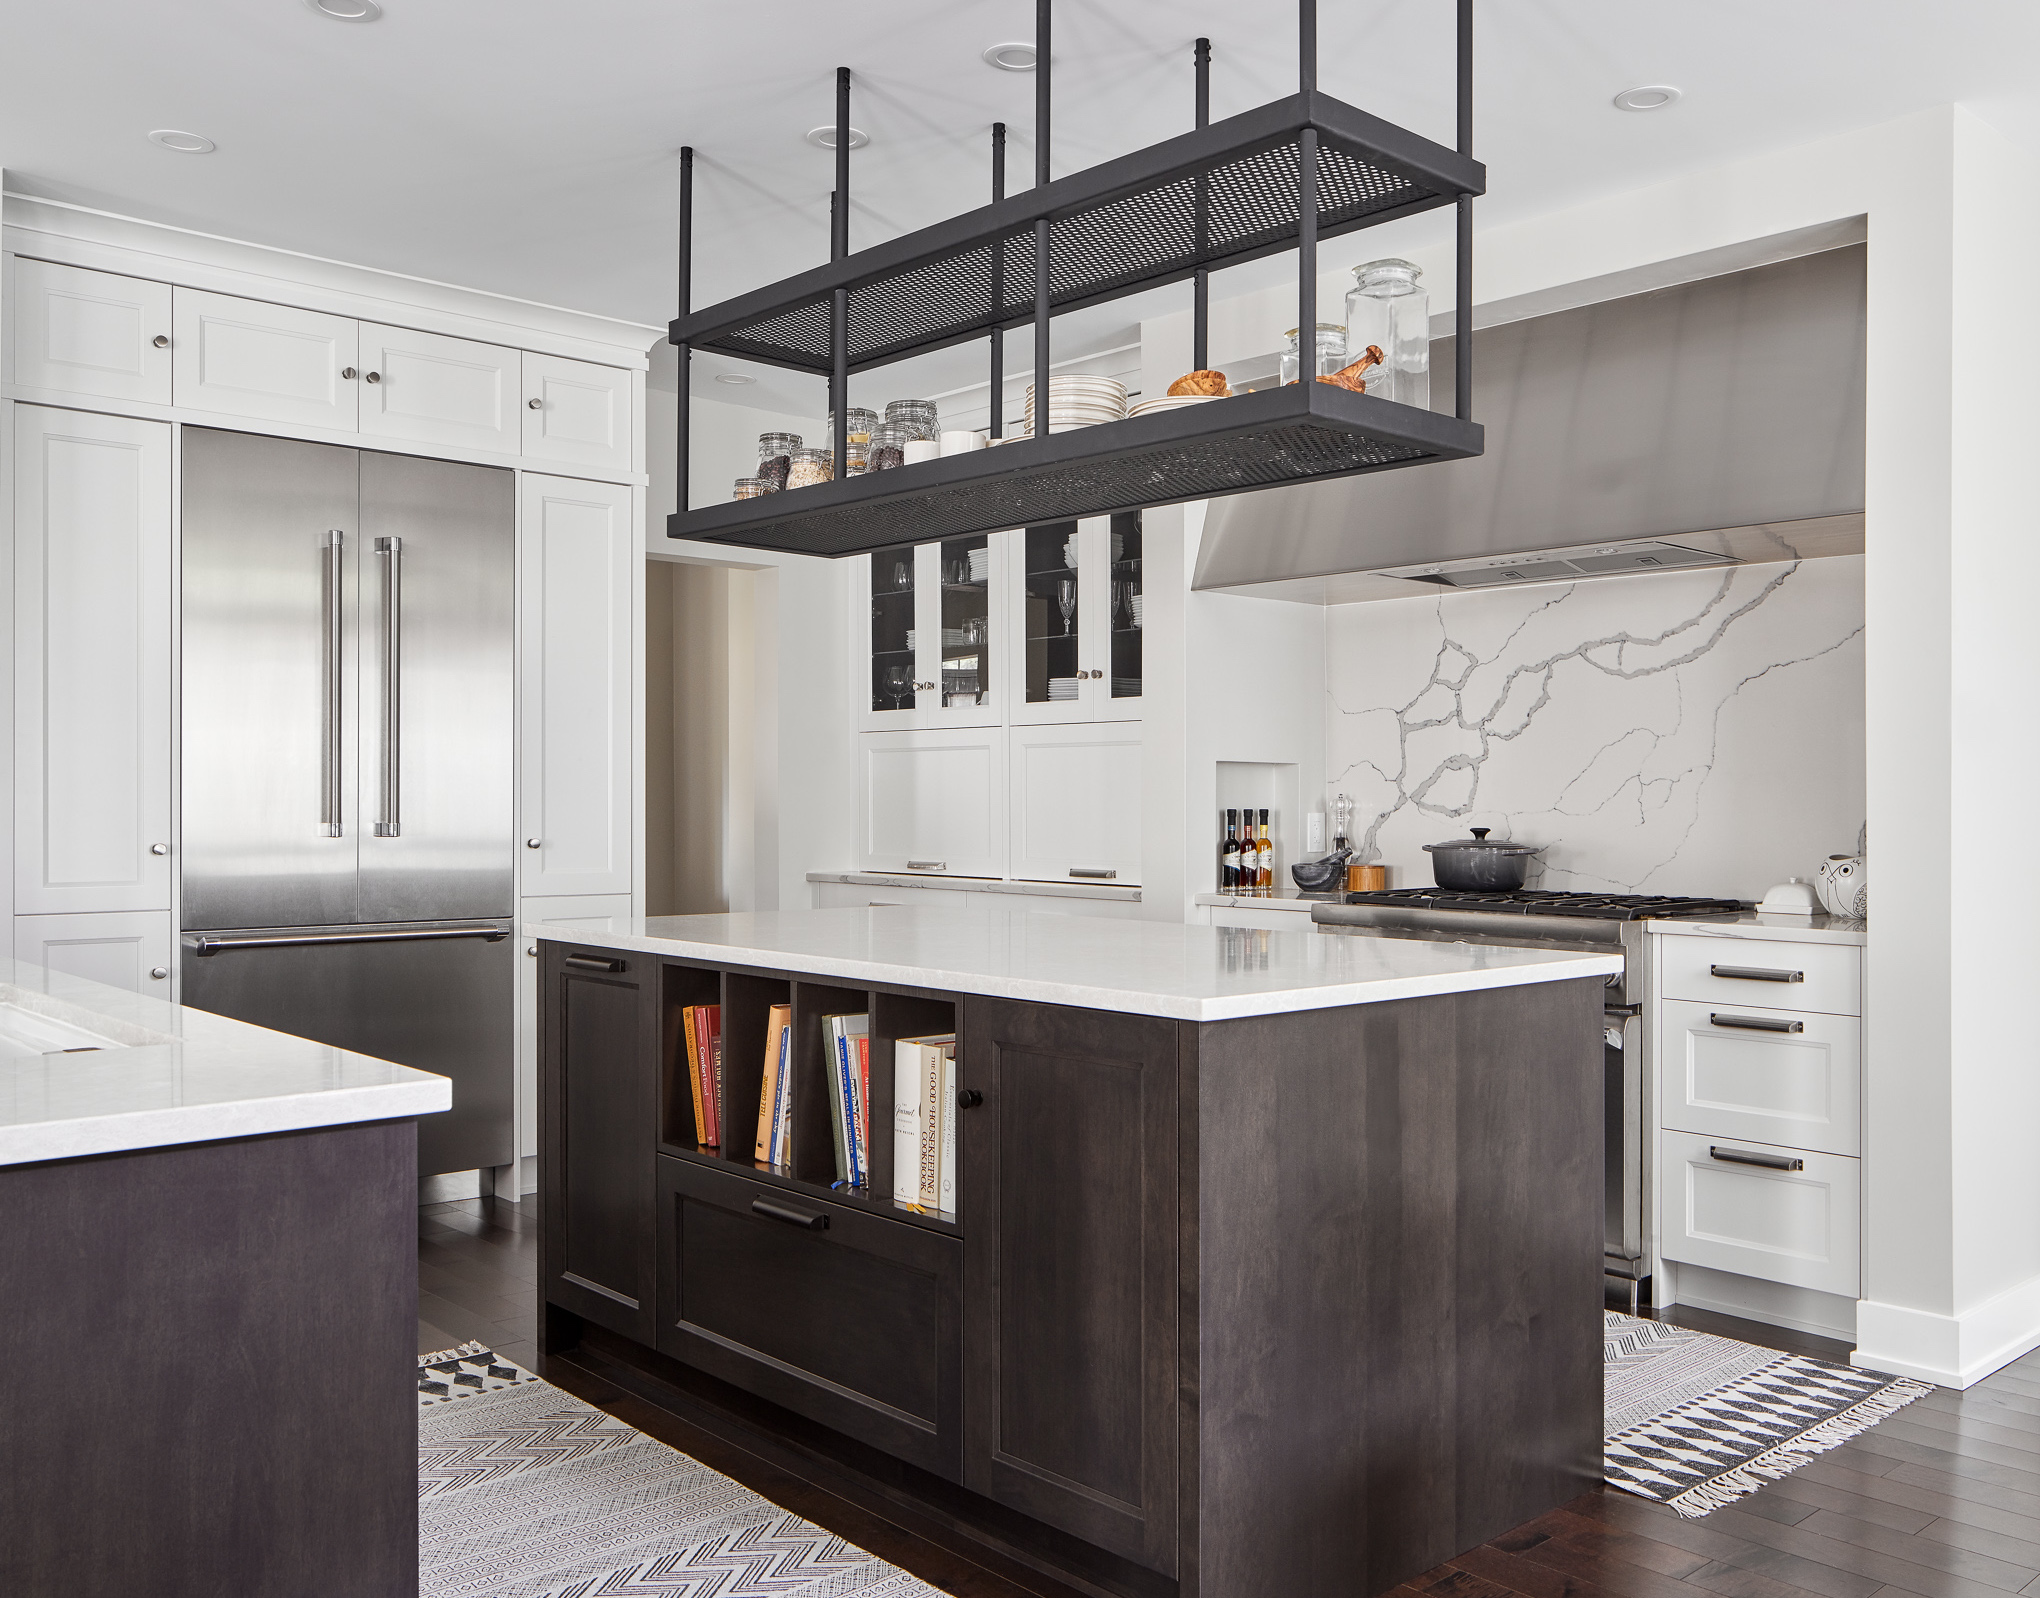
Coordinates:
column 1275, row 1266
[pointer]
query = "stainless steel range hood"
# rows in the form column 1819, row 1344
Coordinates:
column 1713, row 421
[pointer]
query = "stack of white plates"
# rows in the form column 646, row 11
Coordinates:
column 910, row 638
column 1170, row 402
column 980, row 564
column 1126, row 688
column 1135, row 603
column 1062, row 688
column 1079, row 402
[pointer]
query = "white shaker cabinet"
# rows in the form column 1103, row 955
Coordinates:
column 132, row 949
column 577, row 556
column 91, row 333
column 932, row 801
column 425, row 388
column 577, row 413
column 1076, row 797
column 92, row 662
column 1075, row 611
column 265, row 363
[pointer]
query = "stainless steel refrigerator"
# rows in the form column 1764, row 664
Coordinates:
column 348, row 659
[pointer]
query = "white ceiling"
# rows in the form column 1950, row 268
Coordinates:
column 529, row 146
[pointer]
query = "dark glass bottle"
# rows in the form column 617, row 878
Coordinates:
column 1229, row 855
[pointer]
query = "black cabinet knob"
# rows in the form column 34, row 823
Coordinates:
column 968, row 1098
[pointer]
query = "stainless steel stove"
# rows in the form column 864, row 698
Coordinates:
column 1538, row 918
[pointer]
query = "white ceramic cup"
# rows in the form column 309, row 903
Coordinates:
column 921, row 449
column 961, row 443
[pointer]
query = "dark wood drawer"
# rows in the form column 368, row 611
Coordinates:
column 840, row 1315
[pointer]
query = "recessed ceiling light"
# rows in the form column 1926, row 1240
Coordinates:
column 183, row 143
column 824, row 137
column 735, row 379
column 1013, row 57
column 1650, row 97
column 347, row 10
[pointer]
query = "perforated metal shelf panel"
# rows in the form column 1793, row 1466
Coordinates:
column 1125, row 225
column 1230, row 446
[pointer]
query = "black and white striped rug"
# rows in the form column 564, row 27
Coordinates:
column 526, row 1492
column 1697, row 1421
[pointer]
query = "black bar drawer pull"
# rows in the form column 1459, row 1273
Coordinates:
column 1755, row 973
column 1770, row 1162
column 813, row 1220
column 589, row 962
column 1757, row 1023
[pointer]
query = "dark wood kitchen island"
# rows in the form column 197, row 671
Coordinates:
column 1275, row 1266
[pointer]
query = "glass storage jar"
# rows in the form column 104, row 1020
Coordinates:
column 747, row 488
column 775, row 456
column 916, row 415
column 888, row 447
column 1331, row 352
column 1389, row 309
column 859, row 422
column 811, row 466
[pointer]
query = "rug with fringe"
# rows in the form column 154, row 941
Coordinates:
column 1697, row 1421
column 526, row 1492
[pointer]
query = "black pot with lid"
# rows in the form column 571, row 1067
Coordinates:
column 1480, row 864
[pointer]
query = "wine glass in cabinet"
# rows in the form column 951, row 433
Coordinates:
column 1076, row 621
column 931, row 617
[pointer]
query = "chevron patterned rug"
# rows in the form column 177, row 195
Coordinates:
column 526, row 1492
column 1697, row 1421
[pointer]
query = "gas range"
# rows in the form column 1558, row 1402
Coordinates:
column 1532, row 916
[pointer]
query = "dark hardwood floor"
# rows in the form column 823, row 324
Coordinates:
column 1940, row 1501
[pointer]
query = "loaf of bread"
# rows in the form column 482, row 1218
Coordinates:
column 1201, row 382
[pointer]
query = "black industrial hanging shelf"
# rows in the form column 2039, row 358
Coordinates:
column 1282, row 176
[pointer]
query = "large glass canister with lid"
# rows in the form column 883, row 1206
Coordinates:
column 775, row 457
column 917, row 415
column 1388, row 309
column 1331, row 352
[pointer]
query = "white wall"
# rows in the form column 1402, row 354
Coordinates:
column 1639, row 729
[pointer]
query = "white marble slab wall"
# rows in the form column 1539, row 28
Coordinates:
column 1693, row 733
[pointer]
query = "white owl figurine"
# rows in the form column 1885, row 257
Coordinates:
column 1845, row 885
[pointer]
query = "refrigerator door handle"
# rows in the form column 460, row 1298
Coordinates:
column 392, row 552
column 336, row 643
column 207, row 943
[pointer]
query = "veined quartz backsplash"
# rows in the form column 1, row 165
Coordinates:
column 1692, row 733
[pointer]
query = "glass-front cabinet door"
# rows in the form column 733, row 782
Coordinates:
column 934, row 613
column 1077, row 621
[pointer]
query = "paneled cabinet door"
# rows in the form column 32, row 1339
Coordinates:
column 577, row 413
column 1076, row 803
column 92, row 661
column 268, row 363
column 598, row 1084
column 590, row 913
column 577, row 560
column 122, row 948
column 1069, row 1270
column 428, row 389
column 89, row 332
column 931, row 650
column 1075, row 617
column 933, row 802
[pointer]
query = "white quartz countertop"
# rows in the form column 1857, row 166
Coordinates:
column 1772, row 928
column 142, row 1074
column 1164, row 968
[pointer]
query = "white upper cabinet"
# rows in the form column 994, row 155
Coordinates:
column 427, row 389
column 91, row 333
column 933, row 802
column 1076, row 803
column 92, row 662
column 577, row 559
column 577, row 413
column 269, row 363
column 1075, row 613
column 928, row 621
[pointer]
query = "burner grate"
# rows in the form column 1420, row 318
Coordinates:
column 1551, row 902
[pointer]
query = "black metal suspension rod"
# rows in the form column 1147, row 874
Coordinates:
column 685, row 361
column 1462, row 291
column 998, row 428
column 839, row 307
column 1306, row 46
column 1042, row 63
column 1200, row 316
column 1306, row 199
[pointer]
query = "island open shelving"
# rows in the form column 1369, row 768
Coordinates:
column 1282, row 176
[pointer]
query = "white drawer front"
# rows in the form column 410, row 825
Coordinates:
column 933, row 801
column 1791, row 976
column 1801, row 1227
column 1076, row 804
column 266, row 362
column 1800, row 1088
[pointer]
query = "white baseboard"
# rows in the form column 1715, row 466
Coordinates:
column 1949, row 1350
column 1774, row 1303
